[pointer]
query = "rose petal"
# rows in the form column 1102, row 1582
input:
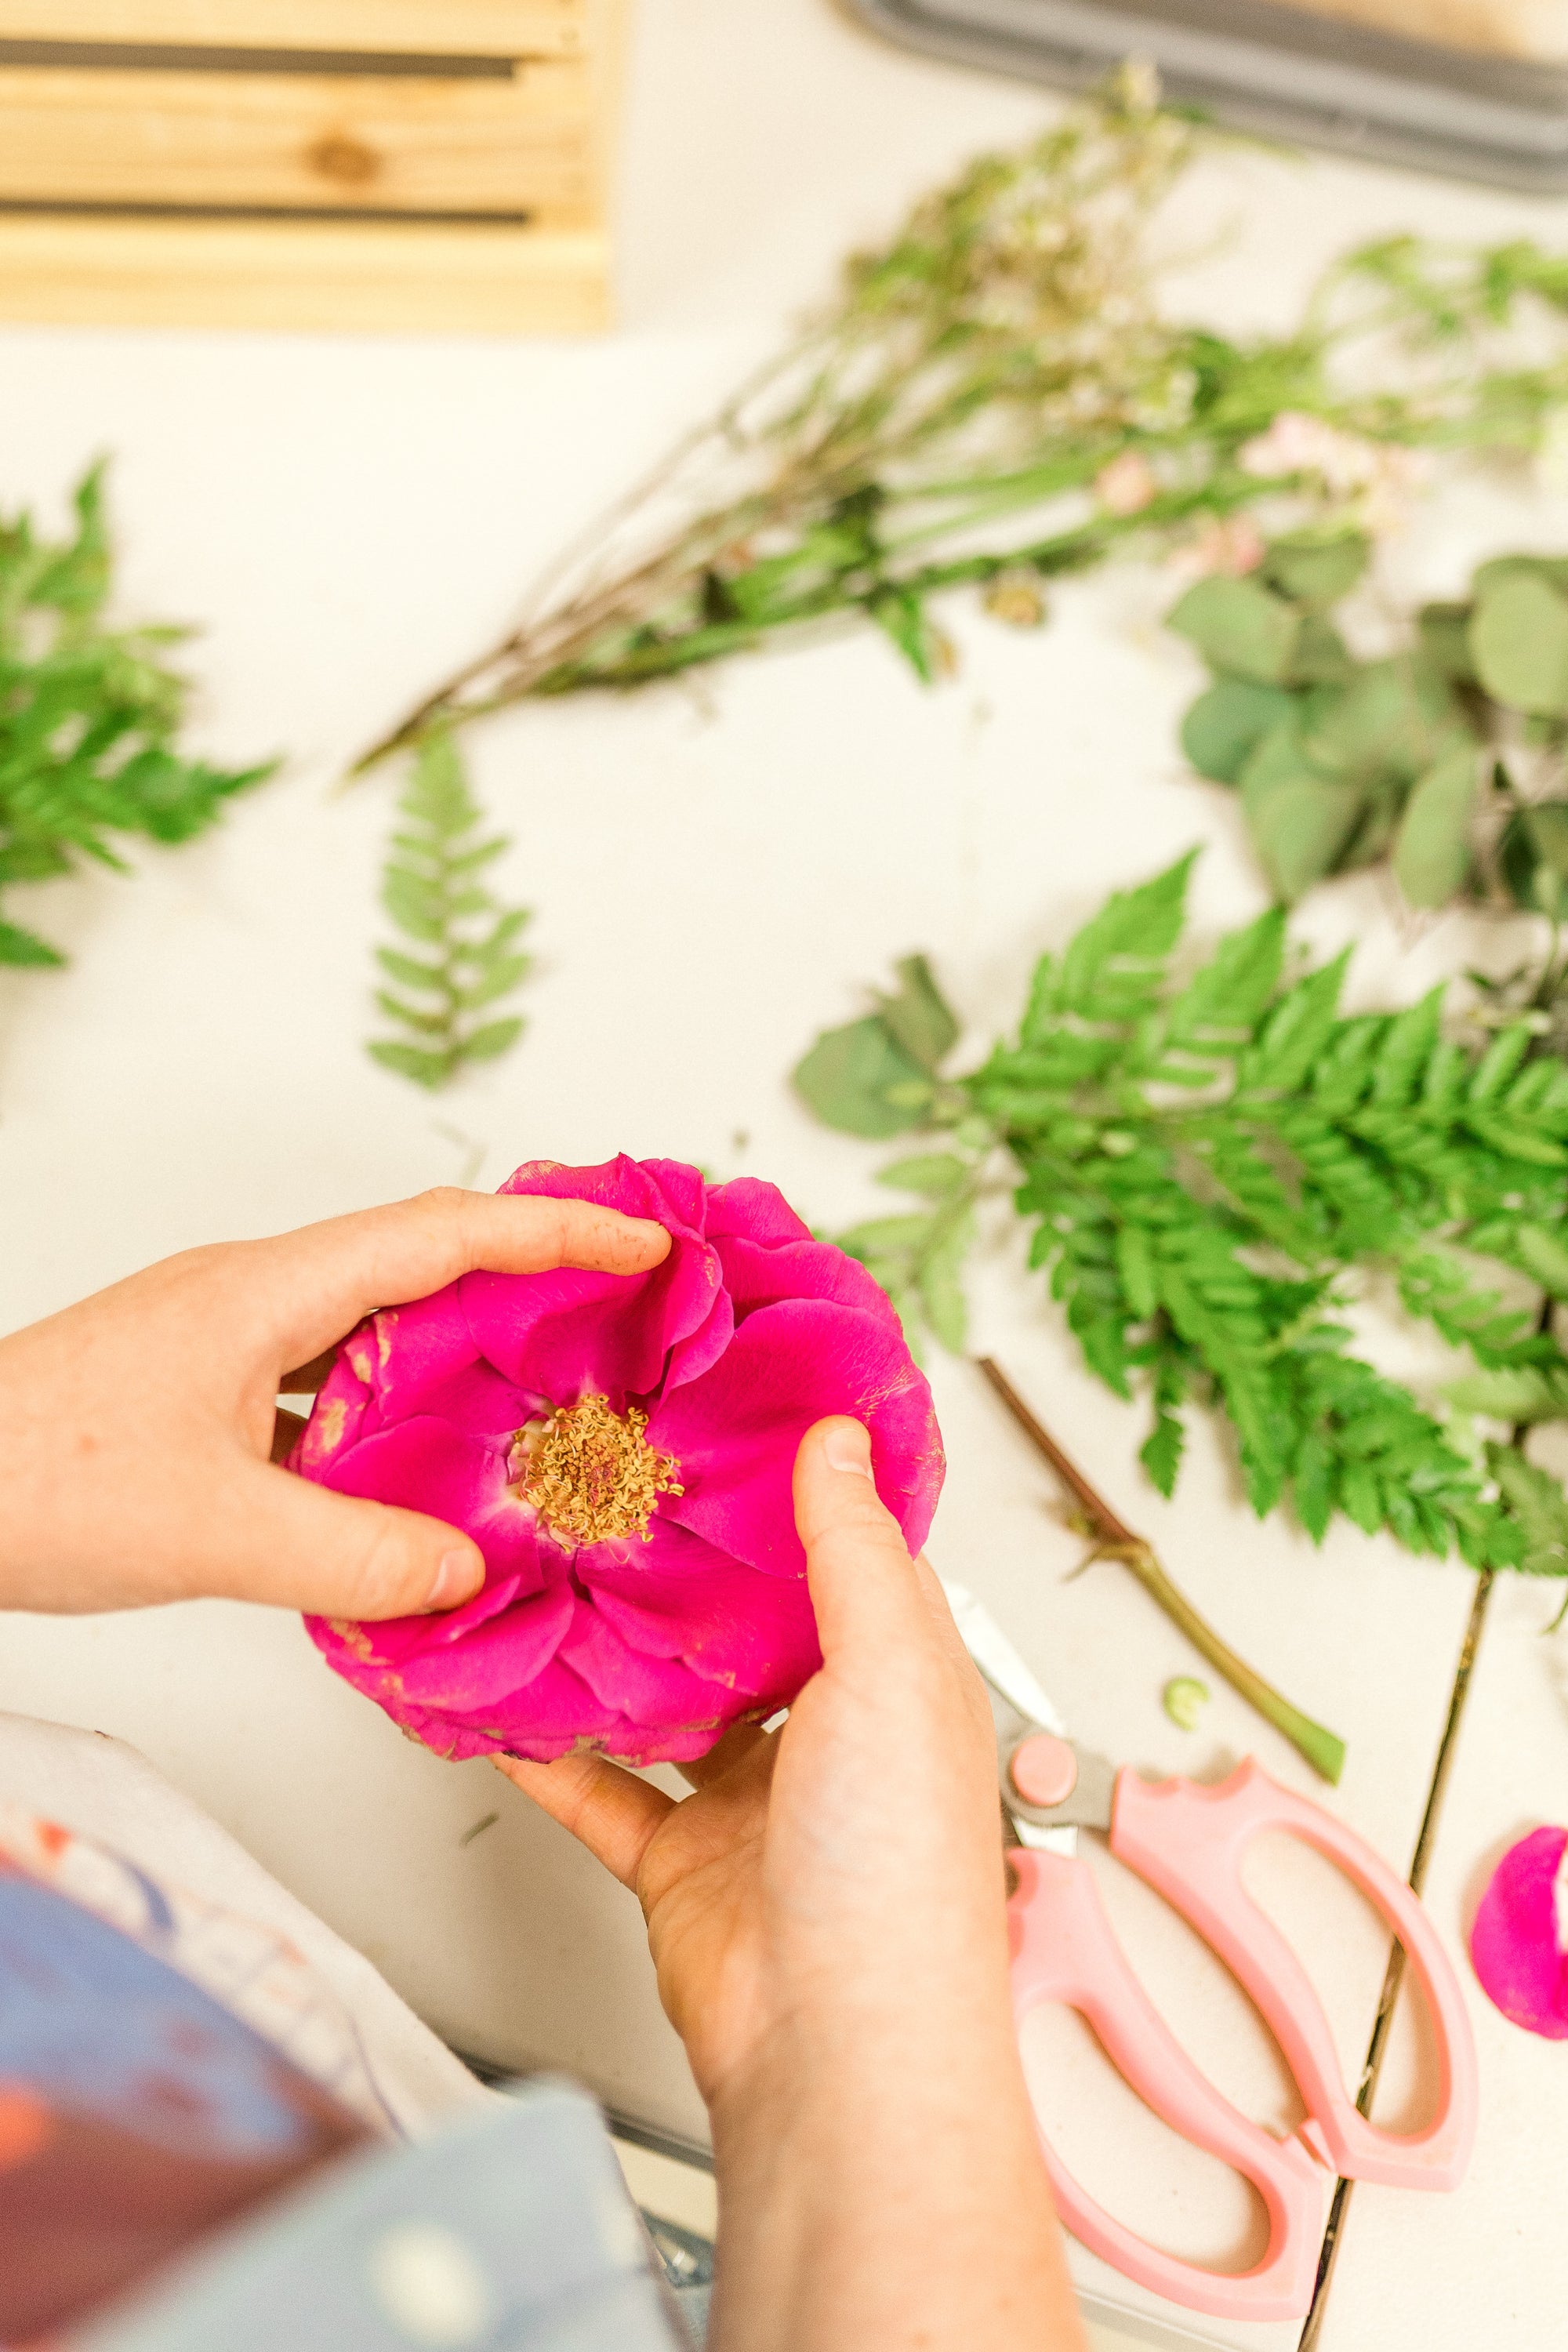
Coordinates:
column 736, row 1431
column 767, row 1254
column 648, row 1691
column 337, row 1421
column 495, row 1664
column 755, row 1634
column 1516, row 1942
column 643, row 1329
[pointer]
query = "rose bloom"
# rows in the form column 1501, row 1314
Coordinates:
column 621, row 1449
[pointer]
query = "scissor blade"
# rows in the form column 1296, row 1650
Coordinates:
column 998, row 1661
column 1018, row 1704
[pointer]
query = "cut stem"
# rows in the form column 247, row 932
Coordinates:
column 1115, row 1540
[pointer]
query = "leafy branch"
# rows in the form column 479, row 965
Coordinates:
column 89, row 718
column 1449, row 757
column 470, row 960
column 997, row 396
column 1214, row 1168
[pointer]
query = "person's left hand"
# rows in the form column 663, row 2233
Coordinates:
column 136, row 1428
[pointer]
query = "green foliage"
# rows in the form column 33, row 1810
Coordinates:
column 1213, row 1166
column 467, row 959
column 947, row 419
column 1448, row 760
column 89, row 718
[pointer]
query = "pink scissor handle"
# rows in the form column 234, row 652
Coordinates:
column 1064, row 1950
column 1187, row 1842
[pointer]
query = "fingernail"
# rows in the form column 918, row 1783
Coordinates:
column 458, row 1577
column 848, row 1446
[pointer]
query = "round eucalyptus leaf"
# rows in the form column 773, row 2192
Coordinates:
column 1301, row 828
column 1240, row 627
column 1225, row 725
column 1519, row 641
column 1432, row 853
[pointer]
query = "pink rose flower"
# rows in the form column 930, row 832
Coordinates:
column 621, row 1450
column 1519, row 1940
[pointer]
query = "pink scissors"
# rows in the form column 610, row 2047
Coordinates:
column 1187, row 1842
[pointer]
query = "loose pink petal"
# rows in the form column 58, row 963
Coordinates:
column 735, row 1433
column 1518, row 1941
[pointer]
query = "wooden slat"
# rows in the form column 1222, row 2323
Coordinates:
column 494, row 27
column 360, row 278
column 398, row 144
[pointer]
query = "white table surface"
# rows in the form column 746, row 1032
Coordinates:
column 717, row 869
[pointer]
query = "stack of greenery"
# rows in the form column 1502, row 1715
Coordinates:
column 1213, row 1168
column 89, row 718
column 1445, row 758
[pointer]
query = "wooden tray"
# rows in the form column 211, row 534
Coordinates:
column 393, row 165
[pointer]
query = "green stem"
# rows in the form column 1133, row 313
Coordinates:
column 1115, row 1540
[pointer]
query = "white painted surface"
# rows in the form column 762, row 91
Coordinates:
column 717, row 870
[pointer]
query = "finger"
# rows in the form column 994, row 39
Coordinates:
column 862, row 1579
column 278, row 1538
column 320, row 1281
column 306, row 1379
column 609, row 1810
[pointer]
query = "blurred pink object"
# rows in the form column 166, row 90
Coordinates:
column 1517, row 1943
column 1127, row 485
column 1228, row 544
column 622, row 1450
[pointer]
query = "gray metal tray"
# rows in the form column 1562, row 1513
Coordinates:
column 1276, row 71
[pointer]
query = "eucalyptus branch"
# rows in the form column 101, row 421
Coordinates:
column 1113, row 1539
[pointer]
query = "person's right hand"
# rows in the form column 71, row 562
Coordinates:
column 827, row 1919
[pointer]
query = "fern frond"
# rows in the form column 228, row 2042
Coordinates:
column 470, row 960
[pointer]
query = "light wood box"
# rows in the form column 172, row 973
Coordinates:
column 371, row 165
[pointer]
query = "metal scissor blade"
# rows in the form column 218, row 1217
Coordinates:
column 1018, row 1704
column 997, row 1660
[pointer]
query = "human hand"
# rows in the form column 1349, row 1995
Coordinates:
column 136, row 1428
column 827, row 1918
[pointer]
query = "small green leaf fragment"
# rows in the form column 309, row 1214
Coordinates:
column 1185, row 1698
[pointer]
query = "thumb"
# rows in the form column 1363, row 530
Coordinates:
column 863, row 1582
column 300, row 1546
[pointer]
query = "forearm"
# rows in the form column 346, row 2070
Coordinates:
column 881, row 2185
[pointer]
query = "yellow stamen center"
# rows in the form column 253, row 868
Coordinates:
column 590, row 1473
